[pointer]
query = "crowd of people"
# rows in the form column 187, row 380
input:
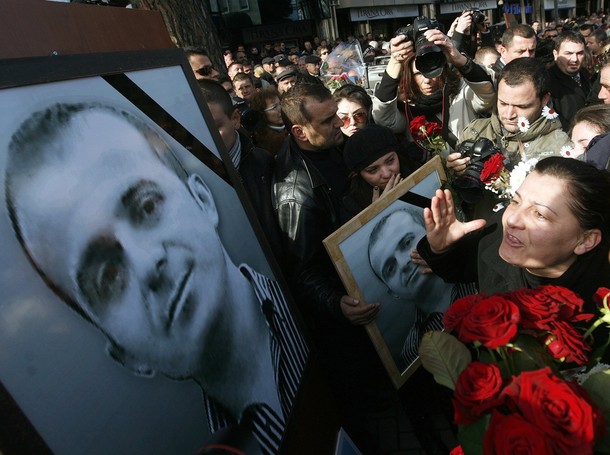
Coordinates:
column 312, row 156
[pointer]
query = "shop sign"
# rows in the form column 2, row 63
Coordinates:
column 383, row 12
column 457, row 8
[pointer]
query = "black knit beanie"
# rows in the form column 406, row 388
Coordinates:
column 368, row 145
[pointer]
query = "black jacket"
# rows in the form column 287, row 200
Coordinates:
column 567, row 96
column 256, row 170
column 308, row 212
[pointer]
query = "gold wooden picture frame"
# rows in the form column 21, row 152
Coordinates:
column 371, row 253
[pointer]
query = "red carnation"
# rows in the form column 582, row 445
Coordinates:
column 492, row 168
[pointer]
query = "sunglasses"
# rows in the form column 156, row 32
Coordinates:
column 359, row 117
column 205, row 70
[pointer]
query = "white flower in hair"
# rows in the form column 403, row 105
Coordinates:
column 567, row 152
column 518, row 174
column 549, row 113
column 524, row 124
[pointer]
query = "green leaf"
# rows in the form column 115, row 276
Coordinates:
column 444, row 356
column 534, row 355
column 597, row 385
column 471, row 436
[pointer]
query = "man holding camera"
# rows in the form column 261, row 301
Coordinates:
column 521, row 129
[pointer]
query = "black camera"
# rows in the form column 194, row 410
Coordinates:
column 479, row 152
column 429, row 58
column 477, row 16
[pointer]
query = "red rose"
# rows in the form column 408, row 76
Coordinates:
column 536, row 310
column 511, row 434
column 433, row 128
column 571, row 303
column 476, row 391
column 492, row 321
column 568, row 342
column 416, row 124
column 457, row 451
column 492, row 168
column 452, row 319
column 600, row 295
column 559, row 409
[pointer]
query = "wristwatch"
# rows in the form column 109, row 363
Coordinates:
column 467, row 67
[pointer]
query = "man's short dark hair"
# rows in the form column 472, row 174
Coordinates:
column 600, row 36
column 522, row 30
column 195, row 50
column 570, row 37
column 293, row 105
column 213, row 92
column 242, row 77
column 526, row 69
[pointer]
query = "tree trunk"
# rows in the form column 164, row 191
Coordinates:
column 189, row 23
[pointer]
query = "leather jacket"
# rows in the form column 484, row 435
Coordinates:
column 307, row 213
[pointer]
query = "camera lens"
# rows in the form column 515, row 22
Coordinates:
column 429, row 60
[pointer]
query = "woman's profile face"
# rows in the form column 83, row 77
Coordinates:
column 353, row 115
column 426, row 86
column 582, row 133
column 379, row 172
column 541, row 233
column 390, row 254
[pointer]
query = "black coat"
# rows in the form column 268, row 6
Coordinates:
column 567, row 96
column 256, row 171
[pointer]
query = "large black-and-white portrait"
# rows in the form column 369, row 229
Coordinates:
column 140, row 313
column 372, row 253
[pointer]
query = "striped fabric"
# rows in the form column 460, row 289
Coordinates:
column 289, row 355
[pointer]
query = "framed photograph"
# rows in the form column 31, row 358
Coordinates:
column 142, row 311
column 372, row 254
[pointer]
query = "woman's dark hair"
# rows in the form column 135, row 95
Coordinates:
column 354, row 93
column 588, row 187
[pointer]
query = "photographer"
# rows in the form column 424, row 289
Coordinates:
column 426, row 75
column 467, row 29
column 520, row 129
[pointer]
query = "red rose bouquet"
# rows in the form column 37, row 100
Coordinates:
column 536, row 387
column 428, row 135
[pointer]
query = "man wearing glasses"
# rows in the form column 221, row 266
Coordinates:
column 201, row 64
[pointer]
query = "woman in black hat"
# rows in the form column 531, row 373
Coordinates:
column 376, row 163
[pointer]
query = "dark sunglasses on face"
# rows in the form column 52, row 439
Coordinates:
column 205, row 70
column 359, row 117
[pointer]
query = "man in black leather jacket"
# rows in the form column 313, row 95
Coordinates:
column 310, row 180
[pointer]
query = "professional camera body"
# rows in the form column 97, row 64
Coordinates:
column 479, row 152
column 429, row 59
column 477, row 16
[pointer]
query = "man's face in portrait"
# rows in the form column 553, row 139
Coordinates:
column 130, row 242
column 390, row 254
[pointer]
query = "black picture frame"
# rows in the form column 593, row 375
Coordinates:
column 61, row 387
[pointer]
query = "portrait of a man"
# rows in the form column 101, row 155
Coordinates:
column 373, row 253
column 391, row 242
column 114, row 225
